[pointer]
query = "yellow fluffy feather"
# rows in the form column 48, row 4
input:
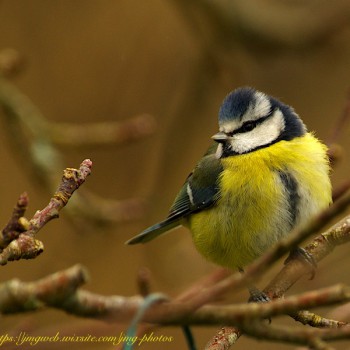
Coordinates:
column 251, row 214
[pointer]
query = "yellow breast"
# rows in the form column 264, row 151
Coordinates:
column 255, row 208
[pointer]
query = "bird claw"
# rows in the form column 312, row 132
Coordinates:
column 257, row 296
column 304, row 256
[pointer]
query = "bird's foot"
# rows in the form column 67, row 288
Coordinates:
column 304, row 256
column 257, row 296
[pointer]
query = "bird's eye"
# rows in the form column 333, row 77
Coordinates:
column 248, row 126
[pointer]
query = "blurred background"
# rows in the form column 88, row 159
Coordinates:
column 105, row 61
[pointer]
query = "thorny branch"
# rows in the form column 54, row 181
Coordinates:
column 17, row 239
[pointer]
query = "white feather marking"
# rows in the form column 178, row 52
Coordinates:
column 218, row 152
column 259, row 109
column 190, row 194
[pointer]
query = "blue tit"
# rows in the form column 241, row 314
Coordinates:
column 264, row 175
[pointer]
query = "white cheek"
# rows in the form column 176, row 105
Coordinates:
column 263, row 134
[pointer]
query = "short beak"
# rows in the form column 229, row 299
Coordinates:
column 220, row 137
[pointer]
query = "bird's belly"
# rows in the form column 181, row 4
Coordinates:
column 251, row 215
column 263, row 196
column 239, row 229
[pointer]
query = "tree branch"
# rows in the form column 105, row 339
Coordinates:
column 18, row 237
column 61, row 290
column 321, row 246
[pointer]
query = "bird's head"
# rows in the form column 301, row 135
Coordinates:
column 250, row 120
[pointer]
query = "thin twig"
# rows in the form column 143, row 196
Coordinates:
column 121, row 309
column 319, row 248
column 295, row 238
column 285, row 279
column 25, row 245
column 16, row 225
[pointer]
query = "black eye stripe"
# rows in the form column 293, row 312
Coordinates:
column 250, row 125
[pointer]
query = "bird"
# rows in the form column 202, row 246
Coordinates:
column 263, row 175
